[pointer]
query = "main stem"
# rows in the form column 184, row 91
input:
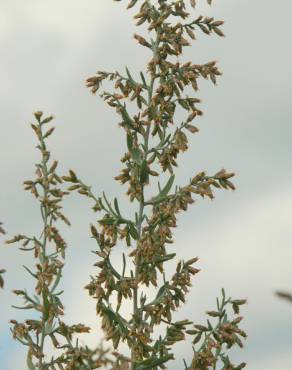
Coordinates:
column 141, row 206
column 44, row 209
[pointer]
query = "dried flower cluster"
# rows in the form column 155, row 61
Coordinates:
column 154, row 141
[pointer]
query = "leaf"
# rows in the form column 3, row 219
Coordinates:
column 107, row 221
column 116, row 318
column 28, row 307
column 139, row 103
column 46, row 306
column 29, row 362
column 210, row 327
column 131, row 4
column 57, row 280
column 144, row 172
column 126, row 116
column 163, row 193
column 143, row 80
column 132, row 230
column 160, row 295
column 117, row 207
column 165, row 258
column 153, row 362
column 168, row 186
column 136, row 155
column 108, row 204
column 129, row 75
column 30, row 272
column 223, row 294
column 129, row 142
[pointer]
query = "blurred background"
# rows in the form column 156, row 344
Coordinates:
column 243, row 238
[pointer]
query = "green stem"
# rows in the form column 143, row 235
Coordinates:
column 44, row 209
column 136, row 310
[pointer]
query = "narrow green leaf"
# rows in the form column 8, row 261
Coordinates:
column 124, row 265
column 144, row 172
column 129, row 142
column 162, row 193
column 167, row 187
column 116, row 318
column 107, row 221
column 46, row 306
column 129, row 75
column 126, row 116
column 143, row 80
column 165, row 258
column 153, row 362
column 132, row 230
column 109, row 205
column 28, row 307
column 117, row 207
column 101, row 204
column 30, row 272
column 160, row 294
column 29, row 362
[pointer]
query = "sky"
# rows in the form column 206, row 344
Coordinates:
column 243, row 238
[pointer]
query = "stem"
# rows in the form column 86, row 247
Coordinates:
column 141, row 209
column 44, row 211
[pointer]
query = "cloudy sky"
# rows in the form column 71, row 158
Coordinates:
column 243, row 239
